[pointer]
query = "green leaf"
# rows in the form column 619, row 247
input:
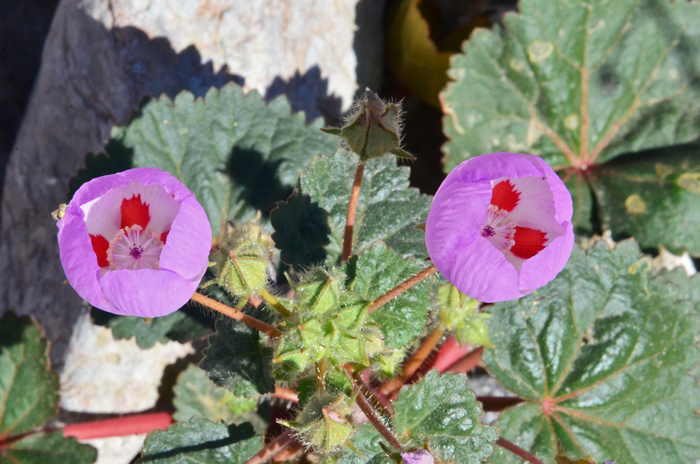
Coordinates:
column 42, row 448
column 652, row 196
column 580, row 83
column 602, row 357
column 183, row 325
column 310, row 227
column 366, row 441
column 378, row 270
column 201, row 441
column 441, row 415
column 236, row 153
column 28, row 388
column 197, row 395
column 460, row 314
column 236, row 360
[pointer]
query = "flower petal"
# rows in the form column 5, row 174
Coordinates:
column 170, row 183
column 189, row 241
column 497, row 166
column 543, row 267
column 458, row 209
column 95, row 188
column 79, row 260
column 147, row 292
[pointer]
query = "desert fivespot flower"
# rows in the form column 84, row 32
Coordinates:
column 135, row 243
column 500, row 226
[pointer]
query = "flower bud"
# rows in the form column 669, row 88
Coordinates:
column 373, row 128
column 459, row 314
column 324, row 423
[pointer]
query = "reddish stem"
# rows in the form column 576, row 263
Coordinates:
column 450, row 352
column 286, row 394
column 468, row 362
column 272, row 448
column 120, row 426
column 402, row 287
column 352, row 211
column 412, row 365
column 237, row 314
column 518, row 451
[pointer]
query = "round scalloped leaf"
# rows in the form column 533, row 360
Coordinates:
column 602, row 357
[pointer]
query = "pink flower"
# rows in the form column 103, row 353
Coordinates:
column 135, row 243
column 500, row 226
column 420, row 456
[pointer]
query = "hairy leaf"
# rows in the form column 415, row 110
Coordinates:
column 197, row 395
column 28, row 388
column 310, row 227
column 602, row 357
column 441, row 415
column 201, row 441
column 580, row 83
column 236, row 153
column 41, row 448
column 378, row 270
column 236, row 360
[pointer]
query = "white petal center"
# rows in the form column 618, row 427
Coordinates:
column 134, row 248
column 498, row 228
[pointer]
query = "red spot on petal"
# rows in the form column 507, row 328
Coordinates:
column 528, row 242
column 135, row 212
column 100, row 246
column 505, row 196
column 164, row 236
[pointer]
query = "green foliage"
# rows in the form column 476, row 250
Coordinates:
column 42, row 448
column 441, row 415
column 310, row 227
column 460, row 314
column 237, row 360
column 201, row 441
column 580, row 83
column 325, row 422
column 242, row 260
column 602, row 356
column 366, row 442
column 376, row 271
column 197, row 395
column 183, row 325
column 238, row 154
column 29, row 397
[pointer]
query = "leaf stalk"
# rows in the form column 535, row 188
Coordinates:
column 237, row 314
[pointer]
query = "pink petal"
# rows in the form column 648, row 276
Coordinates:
column 147, row 292
column 189, row 241
column 170, row 183
column 497, row 166
column 544, row 267
column 79, row 260
column 97, row 187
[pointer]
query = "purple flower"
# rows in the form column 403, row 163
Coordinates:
column 420, row 456
column 500, row 226
column 135, row 243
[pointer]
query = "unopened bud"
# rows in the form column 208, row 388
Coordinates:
column 420, row 456
column 324, row 422
column 373, row 129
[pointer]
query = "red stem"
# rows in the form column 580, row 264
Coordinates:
column 120, row 426
column 498, row 403
column 450, row 352
column 518, row 451
column 468, row 362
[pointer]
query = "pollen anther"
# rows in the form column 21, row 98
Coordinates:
column 134, row 248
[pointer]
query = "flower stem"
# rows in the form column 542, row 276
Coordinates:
column 286, row 394
column 518, row 451
column 468, row 362
column 402, row 287
column 274, row 303
column 120, row 426
column 272, row 448
column 237, row 314
column 352, row 211
column 371, row 415
column 412, row 365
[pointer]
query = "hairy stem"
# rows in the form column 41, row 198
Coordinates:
column 352, row 211
column 402, row 287
column 274, row 303
column 272, row 448
column 286, row 394
column 371, row 415
column 518, row 451
column 237, row 314
column 415, row 361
